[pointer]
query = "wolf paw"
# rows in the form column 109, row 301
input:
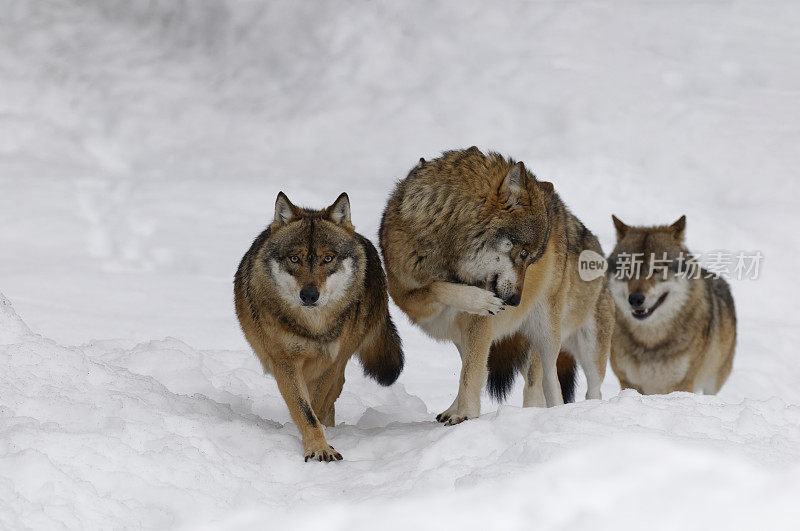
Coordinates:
column 451, row 417
column 443, row 417
column 322, row 452
column 455, row 419
column 482, row 302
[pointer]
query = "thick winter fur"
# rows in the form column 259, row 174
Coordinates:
column 476, row 249
column 683, row 334
column 309, row 294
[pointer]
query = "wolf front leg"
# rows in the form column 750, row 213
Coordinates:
column 469, row 299
column 476, row 339
column 293, row 388
column 445, row 415
column 429, row 301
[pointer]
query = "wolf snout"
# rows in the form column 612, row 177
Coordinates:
column 636, row 299
column 505, row 290
column 309, row 295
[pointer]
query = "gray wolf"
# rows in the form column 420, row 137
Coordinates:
column 477, row 249
column 676, row 328
column 310, row 292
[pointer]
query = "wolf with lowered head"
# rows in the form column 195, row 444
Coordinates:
column 477, row 249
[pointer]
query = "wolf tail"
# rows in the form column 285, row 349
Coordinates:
column 382, row 355
column 567, row 371
column 508, row 355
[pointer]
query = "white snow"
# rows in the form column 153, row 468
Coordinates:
column 142, row 145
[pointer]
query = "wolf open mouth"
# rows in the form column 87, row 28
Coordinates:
column 644, row 313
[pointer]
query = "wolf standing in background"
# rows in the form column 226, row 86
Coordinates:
column 676, row 331
column 476, row 249
column 309, row 294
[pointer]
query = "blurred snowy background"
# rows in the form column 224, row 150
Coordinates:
column 142, row 144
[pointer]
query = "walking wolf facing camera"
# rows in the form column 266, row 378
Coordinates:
column 309, row 294
column 676, row 323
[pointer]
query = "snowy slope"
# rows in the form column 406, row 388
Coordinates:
column 141, row 148
column 162, row 434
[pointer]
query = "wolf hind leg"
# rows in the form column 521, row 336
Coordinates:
column 583, row 345
column 591, row 345
column 550, row 383
column 543, row 330
column 547, row 343
column 532, row 393
column 328, row 392
column 329, row 418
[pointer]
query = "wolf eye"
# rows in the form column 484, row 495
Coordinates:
column 328, row 258
column 523, row 254
column 294, row 259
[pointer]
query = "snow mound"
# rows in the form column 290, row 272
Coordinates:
column 614, row 484
column 163, row 435
column 12, row 328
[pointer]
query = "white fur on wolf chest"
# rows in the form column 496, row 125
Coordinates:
column 441, row 326
column 661, row 376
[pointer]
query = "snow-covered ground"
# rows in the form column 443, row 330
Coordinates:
column 142, row 144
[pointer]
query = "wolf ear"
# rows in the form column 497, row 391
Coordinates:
column 546, row 186
column 339, row 211
column 678, row 228
column 620, row 226
column 285, row 211
column 514, row 182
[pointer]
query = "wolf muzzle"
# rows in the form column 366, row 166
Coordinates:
column 309, row 295
column 512, row 300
